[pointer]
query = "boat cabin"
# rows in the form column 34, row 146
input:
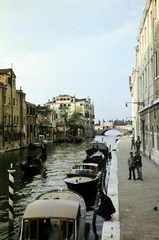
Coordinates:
column 50, row 219
column 84, row 169
column 97, row 146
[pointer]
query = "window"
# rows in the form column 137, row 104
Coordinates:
column 28, row 134
column 4, row 100
column 13, row 82
column 156, row 68
column 5, row 119
column 152, row 137
column 27, row 110
column 16, row 102
column 31, row 111
column 9, row 100
column 34, row 130
column 10, row 80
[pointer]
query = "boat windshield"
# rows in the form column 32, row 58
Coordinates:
column 83, row 172
column 54, row 228
column 97, row 145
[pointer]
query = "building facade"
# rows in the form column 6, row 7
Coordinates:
column 72, row 104
column 23, row 123
column 20, row 122
column 12, row 112
column 144, row 82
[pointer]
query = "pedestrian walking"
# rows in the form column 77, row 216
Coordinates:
column 132, row 143
column 138, row 144
column 131, row 166
column 106, row 207
column 138, row 164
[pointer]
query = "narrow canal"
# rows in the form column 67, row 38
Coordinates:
column 60, row 159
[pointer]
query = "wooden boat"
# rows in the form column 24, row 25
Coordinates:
column 54, row 215
column 97, row 152
column 97, row 146
column 33, row 164
column 84, row 178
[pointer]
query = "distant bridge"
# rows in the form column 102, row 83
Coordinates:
column 102, row 131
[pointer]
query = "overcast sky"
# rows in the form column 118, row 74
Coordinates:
column 76, row 47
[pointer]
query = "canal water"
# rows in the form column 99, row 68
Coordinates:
column 60, row 159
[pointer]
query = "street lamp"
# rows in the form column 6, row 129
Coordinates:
column 139, row 103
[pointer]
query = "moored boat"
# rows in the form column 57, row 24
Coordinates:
column 85, row 169
column 84, row 178
column 54, row 215
column 97, row 152
column 97, row 146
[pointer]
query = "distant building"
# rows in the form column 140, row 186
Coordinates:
column 31, row 129
column 73, row 104
column 104, row 124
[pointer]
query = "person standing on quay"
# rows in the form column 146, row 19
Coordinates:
column 132, row 143
column 138, row 164
column 131, row 165
column 138, row 143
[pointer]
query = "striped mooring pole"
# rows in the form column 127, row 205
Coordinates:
column 11, row 172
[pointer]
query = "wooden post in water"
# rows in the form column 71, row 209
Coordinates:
column 11, row 172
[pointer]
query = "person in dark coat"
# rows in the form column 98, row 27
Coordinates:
column 106, row 207
column 138, row 144
column 132, row 143
column 43, row 152
column 131, row 166
column 138, row 164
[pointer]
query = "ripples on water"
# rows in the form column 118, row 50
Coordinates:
column 60, row 159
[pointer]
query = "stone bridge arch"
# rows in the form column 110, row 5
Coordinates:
column 102, row 131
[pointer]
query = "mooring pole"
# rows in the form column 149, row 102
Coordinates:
column 11, row 172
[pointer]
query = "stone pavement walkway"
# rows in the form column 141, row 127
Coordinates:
column 135, row 218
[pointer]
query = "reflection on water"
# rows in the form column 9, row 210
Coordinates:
column 60, row 159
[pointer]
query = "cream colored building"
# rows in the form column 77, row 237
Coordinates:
column 84, row 105
column 144, row 81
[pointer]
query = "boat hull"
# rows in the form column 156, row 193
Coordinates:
column 34, row 165
column 97, row 146
column 86, row 187
column 31, row 168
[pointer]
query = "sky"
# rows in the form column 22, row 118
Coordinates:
column 75, row 47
